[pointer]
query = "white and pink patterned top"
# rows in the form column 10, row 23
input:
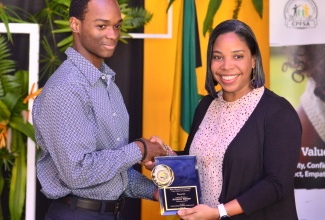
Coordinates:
column 219, row 127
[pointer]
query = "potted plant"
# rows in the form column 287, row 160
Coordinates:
column 14, row 130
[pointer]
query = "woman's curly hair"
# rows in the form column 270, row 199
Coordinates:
column 308, row 60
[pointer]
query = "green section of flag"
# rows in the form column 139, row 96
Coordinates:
column 189, row 92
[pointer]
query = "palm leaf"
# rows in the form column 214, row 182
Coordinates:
column 9, row 100
column 66, row 42
column 50, row 60
column 138, row 17
column 4, row 113
column 24, row 127
column 258, row 4
column 11, row 13
column 169, row 4
column 212, row 10
column 2, row 183
column 236, row 11
column 22, row 77
column 17, row 192
column 6, row 66
column 65, row 4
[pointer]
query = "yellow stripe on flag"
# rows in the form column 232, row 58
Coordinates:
column 175, row 117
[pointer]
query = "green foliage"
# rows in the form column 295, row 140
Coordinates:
column 213, row 8
column 10, row 14
column 258, row 4
column 169, row 4
column 14, row 128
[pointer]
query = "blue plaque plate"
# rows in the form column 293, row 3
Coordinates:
column 178, row 183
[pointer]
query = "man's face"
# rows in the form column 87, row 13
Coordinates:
column 99, row 32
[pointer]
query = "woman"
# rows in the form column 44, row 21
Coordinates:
column 246, row 138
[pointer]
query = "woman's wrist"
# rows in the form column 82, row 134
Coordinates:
column 169, row 150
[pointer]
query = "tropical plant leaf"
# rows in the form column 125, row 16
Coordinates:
column 4, row 113
column 11, row 13
column 64, row 23
column 8, row 159
column 66, row 3
column 62, row 30
column 17, row 192
column 50, row 60
column 137, row 17
column 258, row 4
column 24, row 127
column 22, row 77
column 212, row 10
column 169, row 4
column 120, row 2
column 2, row 183
column 10, row 100
column 50, row 13
column 66, row 42
column 236, row 11
column 10, row 83
column 6, row 65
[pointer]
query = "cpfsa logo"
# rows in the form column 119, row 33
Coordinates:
column 300, row 14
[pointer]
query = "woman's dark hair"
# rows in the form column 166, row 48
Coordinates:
column 244, row 32
column 308, row 60
column 78, row 8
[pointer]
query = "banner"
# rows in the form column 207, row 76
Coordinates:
column 297, row 40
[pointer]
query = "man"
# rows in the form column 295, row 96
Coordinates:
column 81, row 125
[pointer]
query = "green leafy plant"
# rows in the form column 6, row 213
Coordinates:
column 11, row 14
column 214, row 6
column 14, row 129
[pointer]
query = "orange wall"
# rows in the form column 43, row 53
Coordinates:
column 159, row 65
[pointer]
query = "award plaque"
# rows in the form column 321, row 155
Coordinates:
column 178, row 183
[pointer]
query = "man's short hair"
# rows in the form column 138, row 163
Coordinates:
column 78, row 9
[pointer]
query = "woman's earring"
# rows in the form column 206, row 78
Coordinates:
column 253, row 78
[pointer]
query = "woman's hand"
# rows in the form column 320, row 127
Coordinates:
column 169, row 151
column 199, row 212
column 154, row 139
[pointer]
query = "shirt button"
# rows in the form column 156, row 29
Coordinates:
column 103, row 77
column 118, row 139
column 114, row 114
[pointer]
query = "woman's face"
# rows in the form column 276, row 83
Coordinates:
column 231, row 66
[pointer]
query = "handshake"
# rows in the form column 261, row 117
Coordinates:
column 151, row 148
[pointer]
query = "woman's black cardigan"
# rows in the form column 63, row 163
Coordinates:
column 259, row 164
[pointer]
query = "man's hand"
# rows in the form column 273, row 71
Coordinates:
column 149, row 165
column 156, row 195
column 152, row 150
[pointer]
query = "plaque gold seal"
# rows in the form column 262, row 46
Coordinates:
column 162, row 175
